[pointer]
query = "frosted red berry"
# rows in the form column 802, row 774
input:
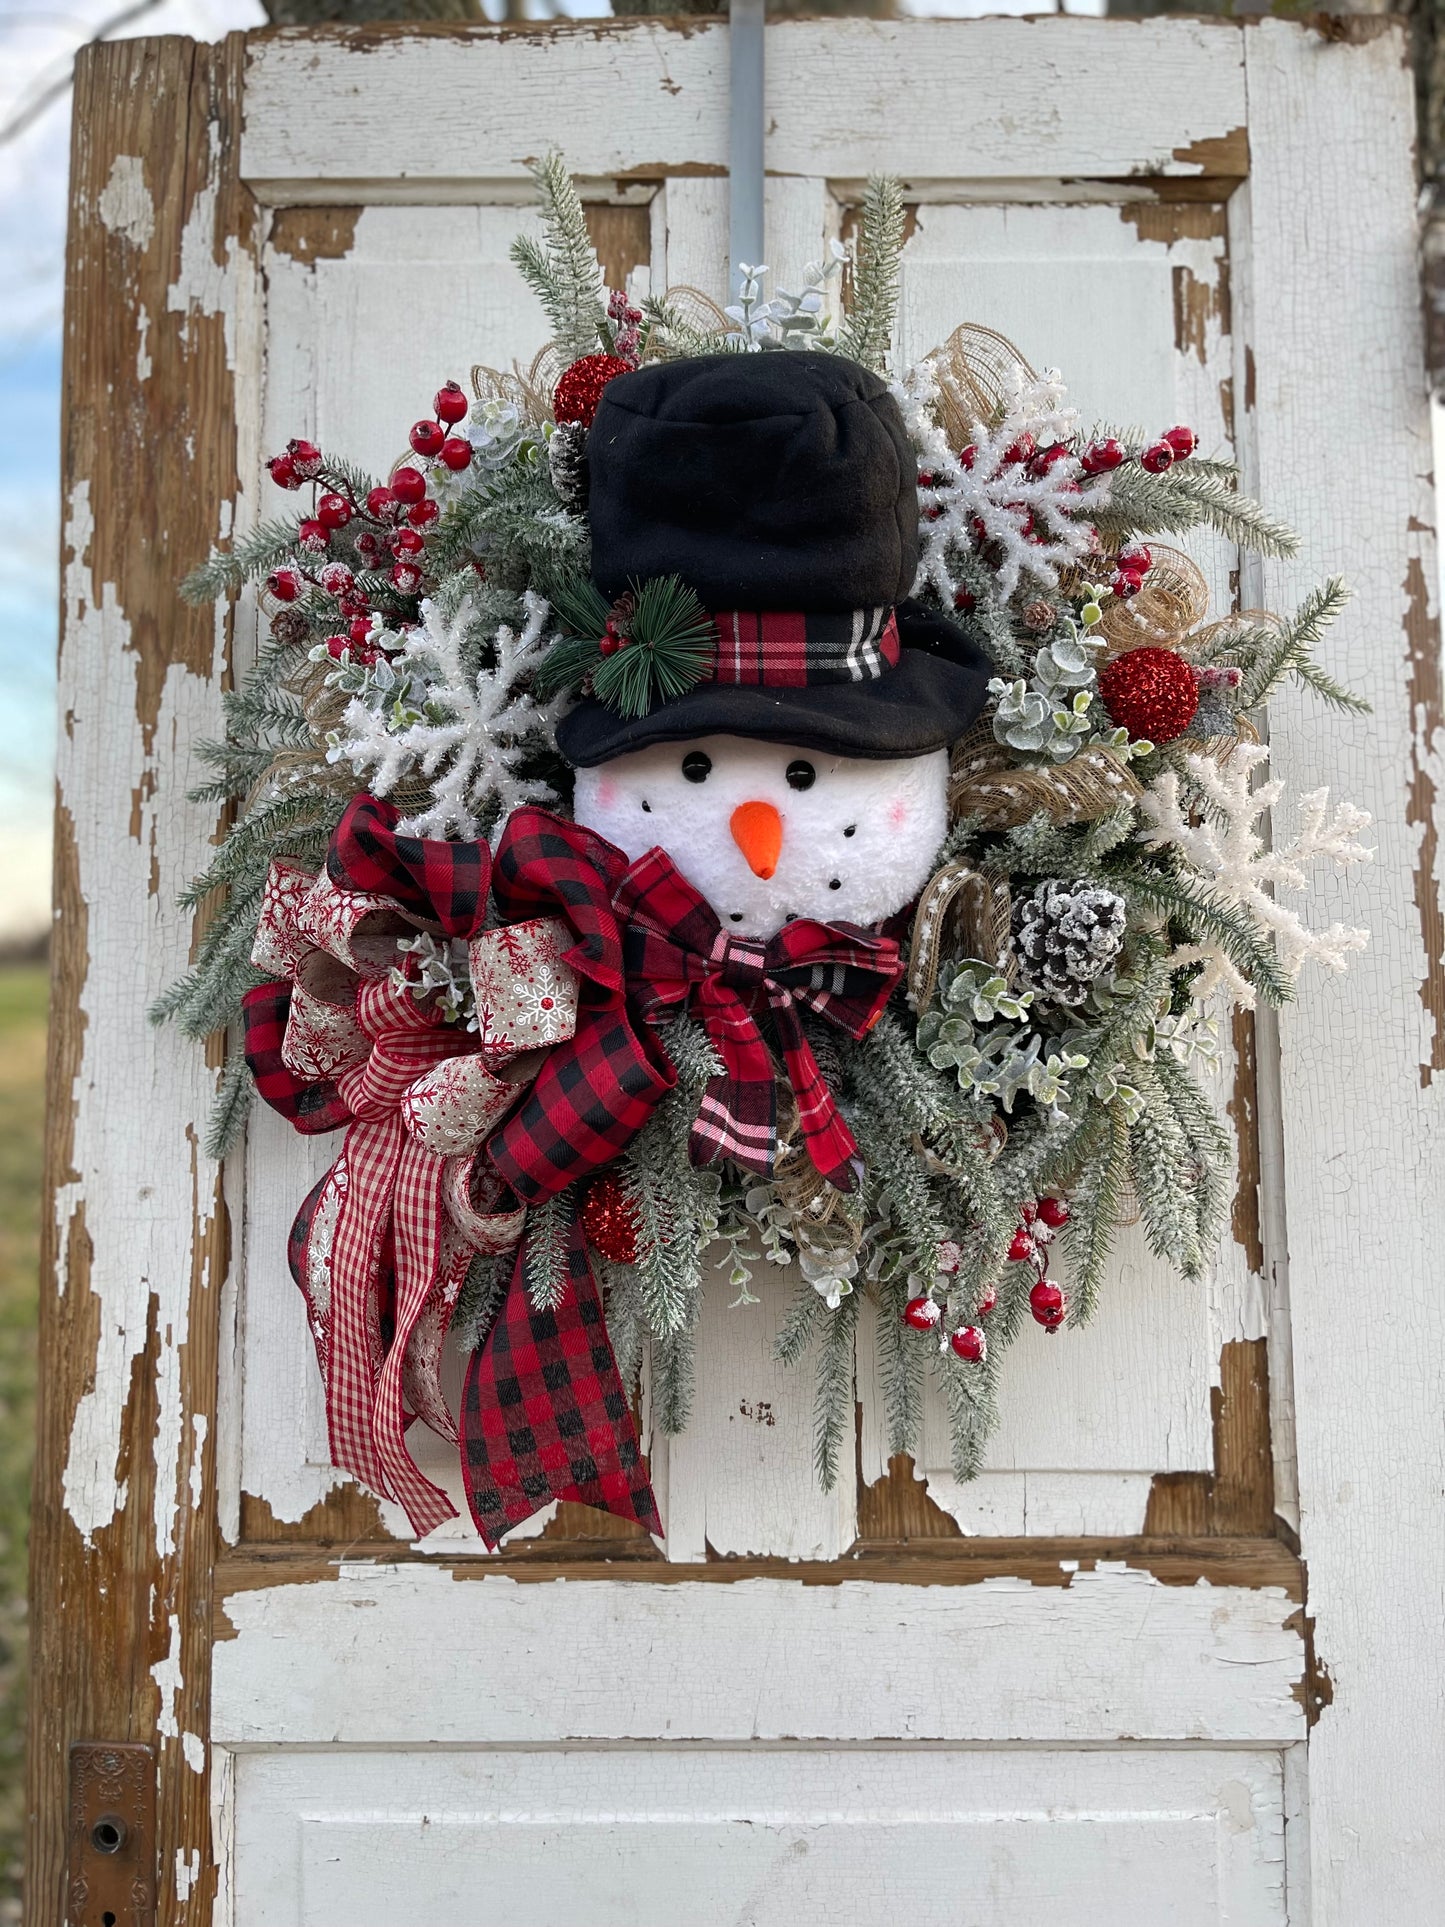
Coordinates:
column 381, row 504
column 1157, row 457
column 422, row 514
column 1153, row 693
column 456, row 453
column 407, row 542
column 1046, row 458
column 1047, row 1304
column 367, row 546
column 359, row 629
column 1021, row 1247
column 313, row 537
column 354, row 604
column 408, row 484
column 987, row 1301
column 964, row 600
column 335, row 578
column 926, row 478
column 427, row 437
column 337, row 646
column 283, row 472
column 1100, row 457
column 406, row 576
column 967, row 456
column 922, row 1314
column 1019, row 451
column 1054, row 1212
column 285, row 584
column 334, row 511
column 1182, row 440
column 450, row 402
column 305, row 459
column 1124, row 583
column 970, row 1344
column 1135, row 558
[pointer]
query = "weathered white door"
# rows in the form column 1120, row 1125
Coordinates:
column 1091, row 1685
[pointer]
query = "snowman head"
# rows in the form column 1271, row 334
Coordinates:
column 770, row 832
column 805, row 775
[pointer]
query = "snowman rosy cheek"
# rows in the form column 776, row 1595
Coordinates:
column 606, row 793
column 897, row 813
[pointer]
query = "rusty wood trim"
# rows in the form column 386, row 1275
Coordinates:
column 160, row 236
column 1042, row 1562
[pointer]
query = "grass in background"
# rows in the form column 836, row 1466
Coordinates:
column 23, row 991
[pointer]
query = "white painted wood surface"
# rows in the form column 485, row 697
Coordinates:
column 633, row 1837
column 1341, row 446
column 415, row 1655
column 1154, row 97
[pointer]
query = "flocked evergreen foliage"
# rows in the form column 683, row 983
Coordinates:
column 996, row 1105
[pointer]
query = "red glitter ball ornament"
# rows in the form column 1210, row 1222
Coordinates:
column 580, row 389
column 1152, row 693
column 610, row 1220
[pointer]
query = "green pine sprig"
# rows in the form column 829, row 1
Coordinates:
column 667, row 648
column 867, row 334
column 563, row 272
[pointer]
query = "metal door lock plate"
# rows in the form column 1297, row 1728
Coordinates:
column 111, row 1869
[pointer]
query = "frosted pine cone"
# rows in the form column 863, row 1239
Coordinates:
column 567, row 460
column 1066, row 934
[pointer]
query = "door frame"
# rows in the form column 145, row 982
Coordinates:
column 178, row 150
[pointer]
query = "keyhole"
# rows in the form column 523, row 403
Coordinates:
column 107, row 1920
column 108, row 1834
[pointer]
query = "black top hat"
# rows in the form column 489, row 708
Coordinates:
column 782, row 489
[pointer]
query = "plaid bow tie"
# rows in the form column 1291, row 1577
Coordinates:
column 675, row 951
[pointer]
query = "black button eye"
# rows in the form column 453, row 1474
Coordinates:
column 850, row 829
column 696, row 767
column 801, row 775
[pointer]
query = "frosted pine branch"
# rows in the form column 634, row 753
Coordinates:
column 1228, row 848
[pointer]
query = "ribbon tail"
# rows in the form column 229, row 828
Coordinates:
column 738, row 1115
column 371, row 1153
column 417, row 1221
column 829, row 1143
column 544, row 1415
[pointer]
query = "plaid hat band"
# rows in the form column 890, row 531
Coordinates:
column 788, row 649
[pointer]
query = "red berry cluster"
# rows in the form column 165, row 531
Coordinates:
column 925, row 1314
column 387, row 533
column 1038, row 1222
column 1131, row 565
column 1174, row 445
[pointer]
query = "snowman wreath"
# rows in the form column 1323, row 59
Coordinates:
column 714, row 804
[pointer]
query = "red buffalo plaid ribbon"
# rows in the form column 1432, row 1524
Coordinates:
column 391, row 1226
column 677, row 952
column 647, row 941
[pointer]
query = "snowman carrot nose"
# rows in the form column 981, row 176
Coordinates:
column 758, row 832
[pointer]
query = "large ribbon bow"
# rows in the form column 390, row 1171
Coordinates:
column 382, row 1244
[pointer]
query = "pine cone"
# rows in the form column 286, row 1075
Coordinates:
column 567, row 460
column 1065, row 935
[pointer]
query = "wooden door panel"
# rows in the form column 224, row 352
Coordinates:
column 649, row 1837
